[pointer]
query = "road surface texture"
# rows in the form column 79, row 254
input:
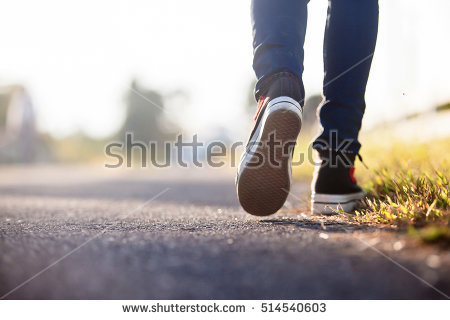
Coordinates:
column 78, row 233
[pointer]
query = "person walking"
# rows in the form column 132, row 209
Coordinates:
column 264, row 174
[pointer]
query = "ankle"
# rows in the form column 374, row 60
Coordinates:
column 281, row 84
column 335, row 158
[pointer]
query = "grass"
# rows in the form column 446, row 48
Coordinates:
column 407, row 187
column 415, row 201
column 406, row 184
column 407, row 197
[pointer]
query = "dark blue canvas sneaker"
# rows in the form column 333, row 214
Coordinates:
column 264, row 174
column 334, row 185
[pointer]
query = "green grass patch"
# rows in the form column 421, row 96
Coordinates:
column 443, row 107
column 406, row 184
column 407, row 199
column 415, row 201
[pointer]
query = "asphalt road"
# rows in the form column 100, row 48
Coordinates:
column 84, row 233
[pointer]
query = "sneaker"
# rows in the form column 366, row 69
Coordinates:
column 264, row 174
column 334, row 185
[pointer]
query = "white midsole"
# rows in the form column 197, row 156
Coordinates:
column 336, row 198
column 333, row 203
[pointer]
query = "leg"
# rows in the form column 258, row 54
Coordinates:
column 350, row 37
column 279, row 28
column 263, row 180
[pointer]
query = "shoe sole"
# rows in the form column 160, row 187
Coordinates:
column 262, row 190
column 330, row 204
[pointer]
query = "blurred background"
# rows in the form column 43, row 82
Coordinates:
column 75, row 75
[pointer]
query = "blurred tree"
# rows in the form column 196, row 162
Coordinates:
column 145, row 116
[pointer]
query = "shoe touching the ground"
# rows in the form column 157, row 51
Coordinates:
column 264, row 174
column 334, row 185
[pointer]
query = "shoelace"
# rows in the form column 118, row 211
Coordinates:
column 361, row 159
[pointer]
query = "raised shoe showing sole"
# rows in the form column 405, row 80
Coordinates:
column 262, row 187
column 331, row 203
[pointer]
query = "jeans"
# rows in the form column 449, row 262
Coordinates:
column 279, row 28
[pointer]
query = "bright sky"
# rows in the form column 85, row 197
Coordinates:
column 78, row 57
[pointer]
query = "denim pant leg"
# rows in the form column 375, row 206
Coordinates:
column 350, row 37
column 279, row 28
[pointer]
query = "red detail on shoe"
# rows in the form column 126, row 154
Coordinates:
column 260, row 104
column 352, row 174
